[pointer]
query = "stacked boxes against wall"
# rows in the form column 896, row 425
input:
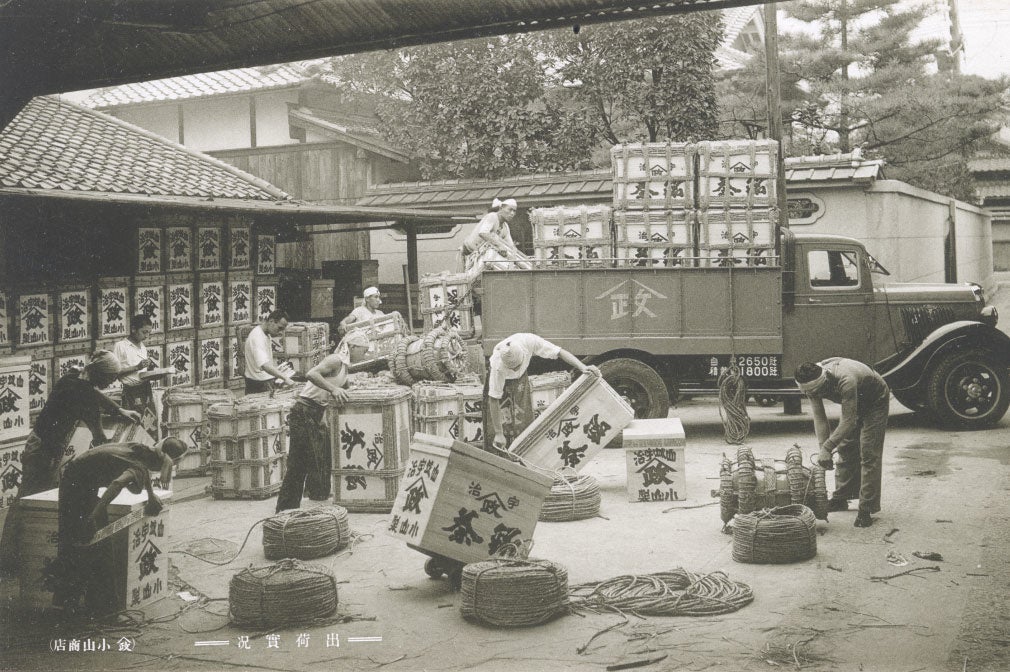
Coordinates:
column 654, row 201
column 210, row 335
column 737, row 210
column 14, row 425
column 247, row 444
column 266, row 280
column 446, row 300
column 305, row 344
column 180, row 317
column 580, row 234
column 184, row 416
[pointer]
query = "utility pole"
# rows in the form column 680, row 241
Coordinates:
column 774, row 98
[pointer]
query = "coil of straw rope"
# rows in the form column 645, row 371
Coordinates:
column 775, row 536
column 508, row 592
column 287, row 593
column 677, row 592
column 572, row 497
column 733, row 400
column 306, row 534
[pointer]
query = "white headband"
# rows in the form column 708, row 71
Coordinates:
column 511, row 202
column 812, row 386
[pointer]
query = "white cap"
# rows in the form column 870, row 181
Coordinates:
column 371, row 291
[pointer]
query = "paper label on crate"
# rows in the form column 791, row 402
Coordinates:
column 149, row 301
column 155, row 354
column 236, row 370
column 416, row 498
column 212, row 304
column 655, row 475
column 180, row 356
column 149, row 250
column 14, row 403
column 208, row 245
column 445, row 302
column 113, row 306
column 239, row 298
column 360, row 440
column 180, row 307
column 147, row 577
column 4, row 334
column 180, row 249
column 33, row 319
column 240, row 244
column 70, row 363
column 211, row 359
column 75, row 320
column 265, row 254
column 10, row 474
column 266, row 301
column 38, row 384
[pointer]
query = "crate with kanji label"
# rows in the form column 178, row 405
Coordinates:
column 740, row 257
column 572, row 233
column 546, row 387
column 209, row 247
column 240, row 248
column 34, row 317
column 445, row 299
column 370, row 438
column 40, row 378
column 253, row 479
column 179, row 246
column 184, row 417
column 112, row 305
column 236, row 361
column 463, row 503
column 305, row 344
column 131, row 552
column 383, row 334
column 266, row 254
column 654, row 237
column 181, row 355
column 581, row 422
column 654, row 175
column 737, row 228
column 265, row 297
column 454, row 410
column 150, row 250
column 180, row 302
column 156, row 352
column 211, row 300
column 74, row 312
column 250, row 428
column 210, row 355
column 15, row 373
column 6, row 332
column 149, row 298
column 737, row 173
column 11, row 472
column 240, row 298
column 70, row 357
column 654, row 453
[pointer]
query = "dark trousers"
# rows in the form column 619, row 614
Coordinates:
column 516, row 408
column 309, row 457
column 140, row 398
column 40, row 471
column 257, row 386
column 858, row 469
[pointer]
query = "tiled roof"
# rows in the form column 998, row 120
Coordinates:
column 357, row 130
column 585, row 186
column 989, row 164
column 207, row 84
column 56, row 145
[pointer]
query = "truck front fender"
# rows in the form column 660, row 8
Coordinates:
column 907, row 373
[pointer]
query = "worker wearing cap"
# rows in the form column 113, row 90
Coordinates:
column 369, row 311
column 260, row 369
column 309, row 456
column 859, row 437
column 508, row 404
column 493, row 227
column 113, row 466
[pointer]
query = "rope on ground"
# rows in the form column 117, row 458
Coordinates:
column 289, row 592
column 305, row 534
column 506, row 592
column 774, row 536
column 572, row 497
column 229, row 560
column 733, row 404
column 677, row 592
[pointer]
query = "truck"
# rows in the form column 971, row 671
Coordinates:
column 657, row 332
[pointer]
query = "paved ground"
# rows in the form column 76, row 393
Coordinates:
column 946, row 492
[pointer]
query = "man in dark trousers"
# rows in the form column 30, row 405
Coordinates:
column 82, row 512
column 859, row 437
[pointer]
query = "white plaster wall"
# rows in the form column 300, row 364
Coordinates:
column 217, row 123
column 160, row 119
column 272, row 118
column 435, row 252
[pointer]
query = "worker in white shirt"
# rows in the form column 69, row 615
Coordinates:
column 369, row 311
column 260, row 369
column 133, row 358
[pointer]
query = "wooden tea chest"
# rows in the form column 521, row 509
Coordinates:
column 654, row 452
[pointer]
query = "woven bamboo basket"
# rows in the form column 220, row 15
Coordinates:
column 750, row 485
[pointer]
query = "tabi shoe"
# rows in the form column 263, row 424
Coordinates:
column 835, row 505
column 863, row 520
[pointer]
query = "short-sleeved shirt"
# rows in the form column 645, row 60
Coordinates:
column 130, row 354
column 490, row 223
column 363, row 314
column 531, row 344
column 71, row 400
column 857, row 388
column 258, row 351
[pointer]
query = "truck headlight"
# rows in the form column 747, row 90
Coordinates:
column 976, row 289
column 989, row 316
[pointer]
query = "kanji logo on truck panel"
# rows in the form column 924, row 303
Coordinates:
column 621, row 300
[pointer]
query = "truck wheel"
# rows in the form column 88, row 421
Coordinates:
column 639, row 385
column 968, row 389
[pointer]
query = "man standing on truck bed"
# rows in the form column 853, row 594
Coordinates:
column 508, row 402
column 364, row 313
column 859, row 436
